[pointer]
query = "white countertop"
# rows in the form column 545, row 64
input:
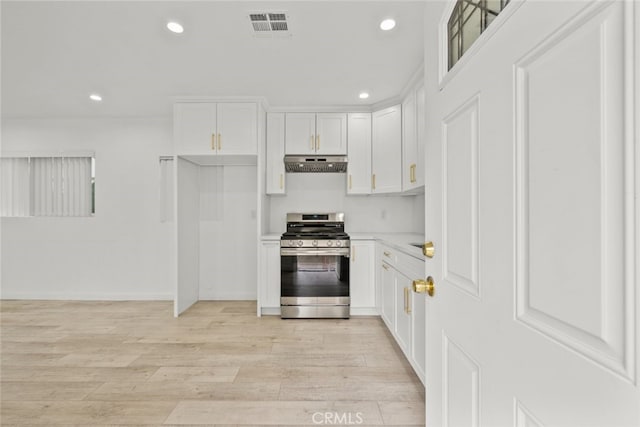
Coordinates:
column 399, row 241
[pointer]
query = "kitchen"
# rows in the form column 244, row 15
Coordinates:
column 110, row 87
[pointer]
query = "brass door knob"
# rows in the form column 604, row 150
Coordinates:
column 428, row 249
column 424, row 286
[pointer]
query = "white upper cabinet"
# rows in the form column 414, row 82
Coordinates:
column 331, row 133
column 359, row 153
column 413, row 142
column 203, row 128
column 275, row 154
column 310, row 133
column 386, row 164
column 300, row 133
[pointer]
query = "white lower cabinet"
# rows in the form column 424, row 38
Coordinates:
column 388, row 288
column 269, row 286
column 402, row 310
column 362, row 280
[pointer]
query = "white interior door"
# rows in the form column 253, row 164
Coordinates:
column 531, row 201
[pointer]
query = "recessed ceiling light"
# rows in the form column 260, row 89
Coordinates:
column 387, row 24
column 175, row 27
column 95, row 97
column 363, row 95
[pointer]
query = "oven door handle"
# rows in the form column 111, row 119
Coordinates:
column 314, row 251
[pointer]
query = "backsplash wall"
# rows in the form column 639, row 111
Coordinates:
column 309, row 192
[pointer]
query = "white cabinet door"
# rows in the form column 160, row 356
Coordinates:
column 300, row 133
column 359, row 153
column 195, row 128
column 421, row 139
column 418, row 333
column 275, row 154
column 403, row 312
column 388, row 285
column 331, row 133
column 270, row 275
column 387, row 151
column 409, row 142
column 362, row 274
column 237, row 128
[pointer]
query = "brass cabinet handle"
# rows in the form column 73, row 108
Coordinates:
column 281, row 181
column 408, row 300
column 350, row 182
column 317, row 142
column 312, row 143
column 219, row 142
column 385, row 266
column 373, row 181
column 387, row 254
column 404, row 290
column 407, row 303
column 213, row 141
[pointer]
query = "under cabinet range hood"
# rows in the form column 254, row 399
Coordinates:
column 315, row 163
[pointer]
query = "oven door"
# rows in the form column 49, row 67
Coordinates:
column 314, row 280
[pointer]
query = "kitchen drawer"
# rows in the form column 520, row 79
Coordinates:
column 410, row 266
column 388, row 255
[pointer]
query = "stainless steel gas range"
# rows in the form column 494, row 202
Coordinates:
column 314, row 264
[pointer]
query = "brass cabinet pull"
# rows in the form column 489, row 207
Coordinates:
column 387, row 254
column 312, row 143
column 317, row 142
column 350, row 182
column 219, row 142
column 404, row 290
column 385, row 266
column 213, row 141
column 373, row 181
column 407, row 303
column 281, row 181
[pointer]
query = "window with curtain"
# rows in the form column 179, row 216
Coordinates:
column 47, row 186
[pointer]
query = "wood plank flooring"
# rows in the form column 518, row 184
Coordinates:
column 133, row 363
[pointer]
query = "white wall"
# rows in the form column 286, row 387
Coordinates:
column 124, row 251
column 311, row 192
column 228, row 233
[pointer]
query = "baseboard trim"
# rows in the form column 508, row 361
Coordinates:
column 74, row 296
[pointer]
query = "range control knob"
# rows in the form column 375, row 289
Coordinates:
column 292, row 243
column 314, row 243
column 299, row 242
column 329, row 243
column 338, row 243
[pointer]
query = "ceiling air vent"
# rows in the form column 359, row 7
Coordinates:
column 269, row 24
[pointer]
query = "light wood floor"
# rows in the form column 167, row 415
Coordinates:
column 133, row 363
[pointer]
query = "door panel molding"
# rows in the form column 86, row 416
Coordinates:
column 583, row 306
column 461, row 403
column 523, row 417
column 460, row 202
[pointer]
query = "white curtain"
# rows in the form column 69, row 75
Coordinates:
column 61, row 186
column 14, row 187
column 166, row 189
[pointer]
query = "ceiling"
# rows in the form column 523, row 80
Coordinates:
column 54, row 54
